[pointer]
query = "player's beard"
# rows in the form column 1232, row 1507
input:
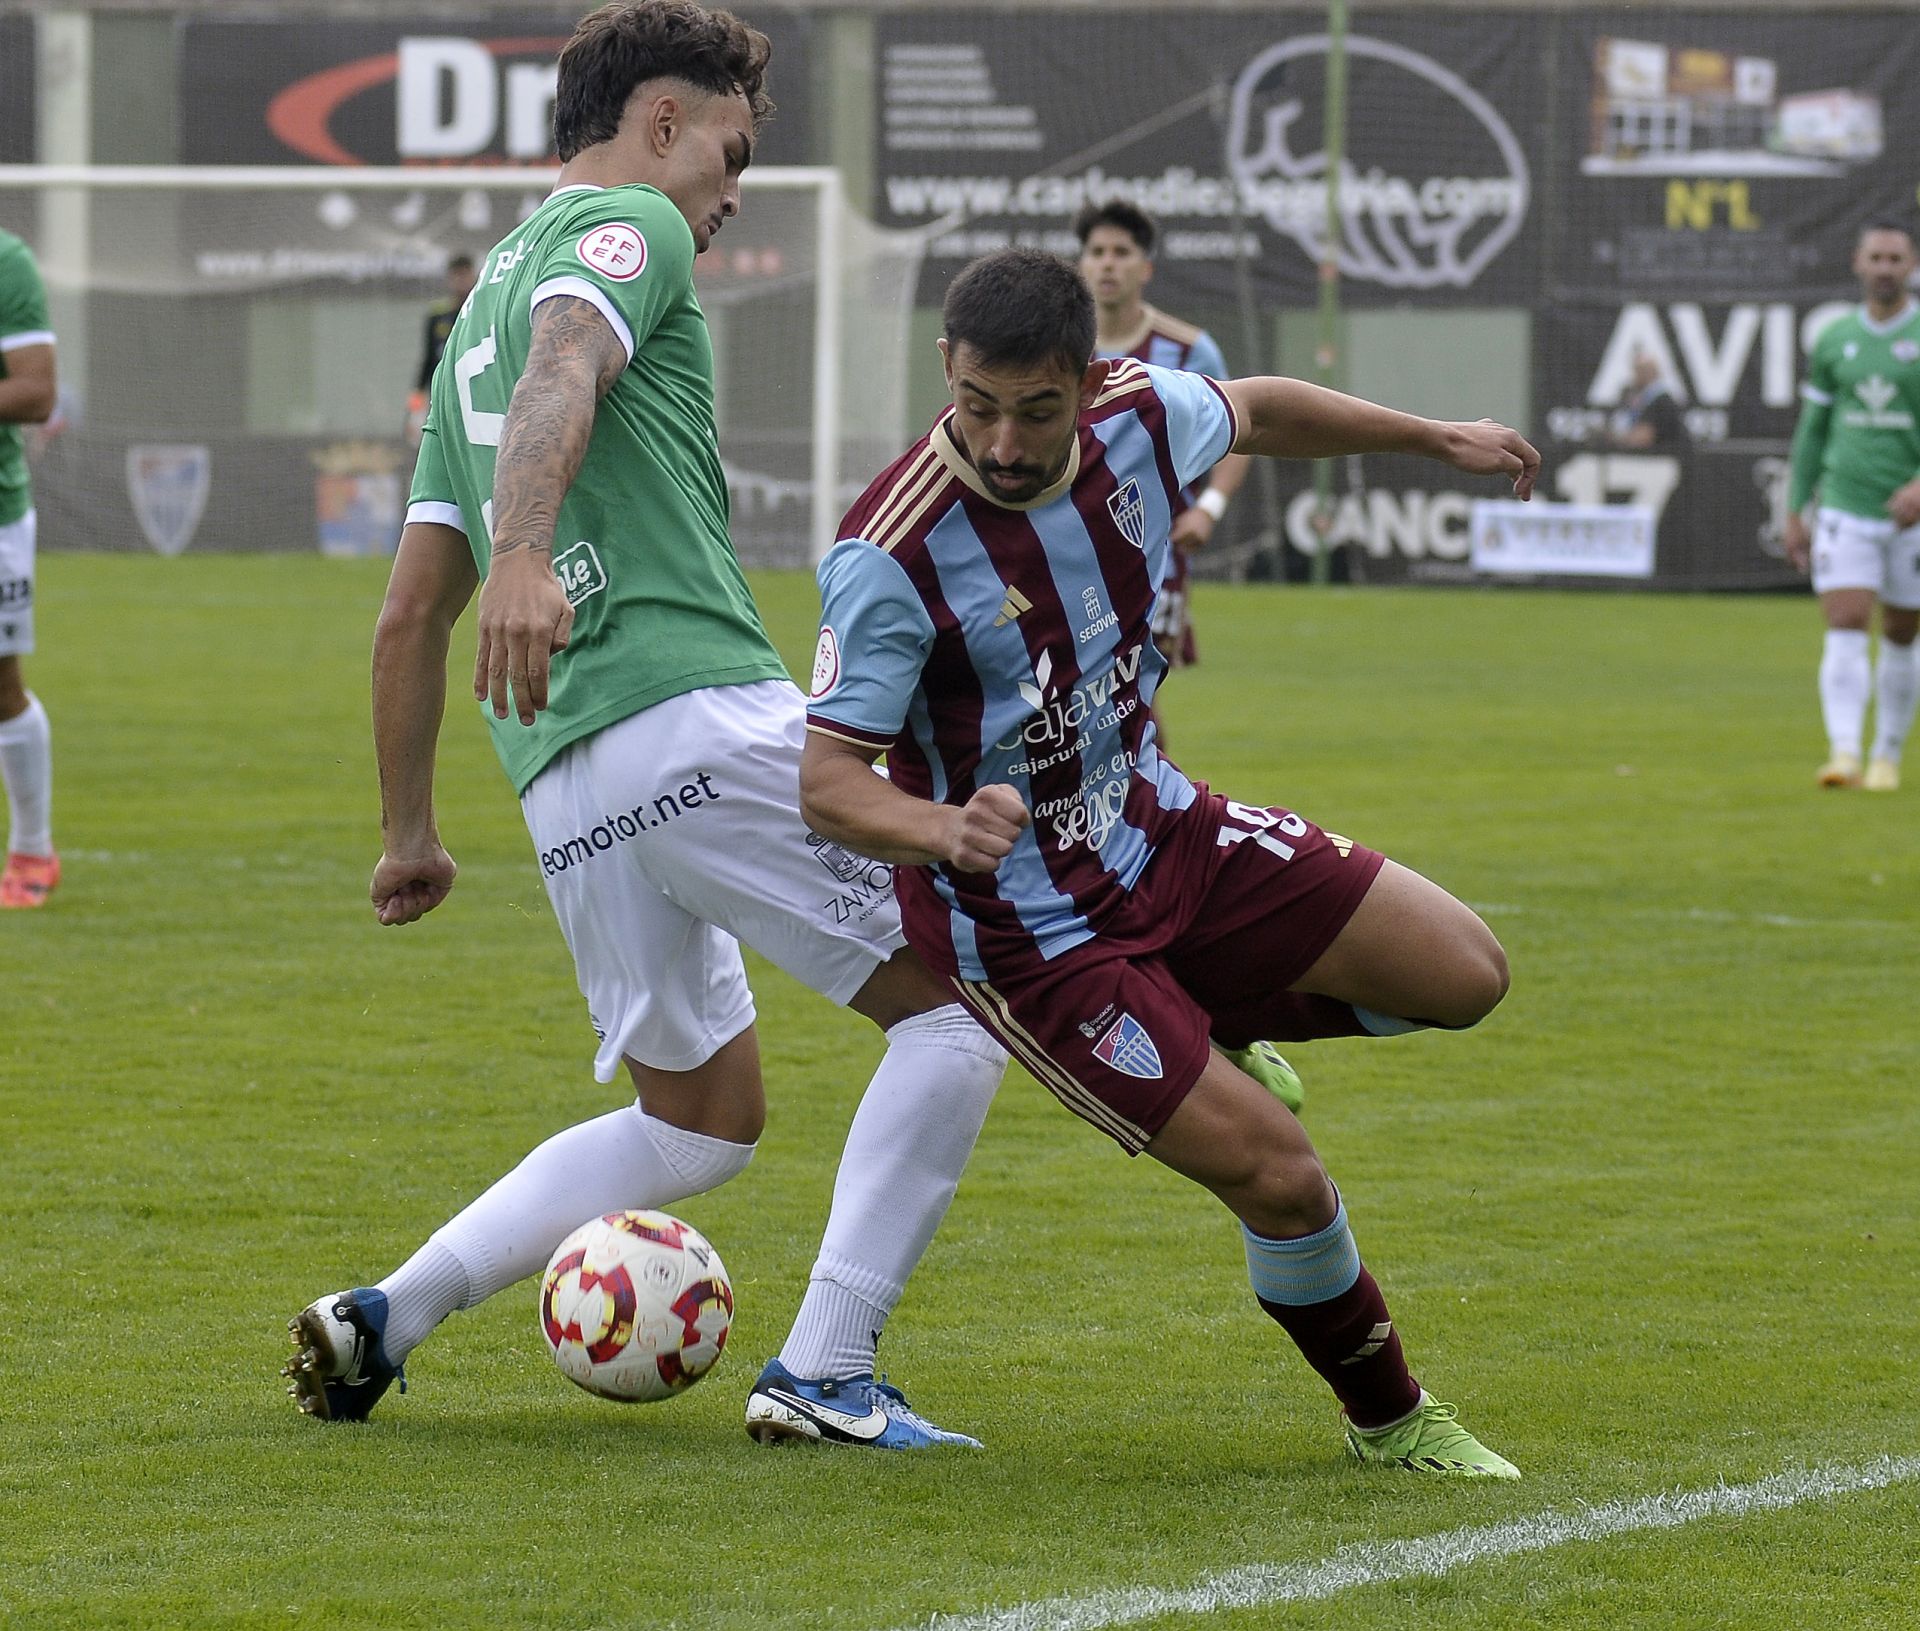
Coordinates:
column 1034, row 480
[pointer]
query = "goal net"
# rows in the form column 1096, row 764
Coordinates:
column 238, row 347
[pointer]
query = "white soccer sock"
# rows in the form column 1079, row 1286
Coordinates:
column 1897, row 688
column 910, row 1138
column 26, row 765
column 624, row 1159
column 1845, row 680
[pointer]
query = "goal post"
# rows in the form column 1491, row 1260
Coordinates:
column 237, row 346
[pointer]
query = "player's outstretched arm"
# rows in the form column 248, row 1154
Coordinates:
column 844, row 798
column 1292, row 419
column 572, row 362
column 433, row 579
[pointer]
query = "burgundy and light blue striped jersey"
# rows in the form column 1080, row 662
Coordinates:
column 1166, row 342
column 977, row 641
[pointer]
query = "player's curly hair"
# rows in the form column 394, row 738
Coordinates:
column 623, row 45
column 1021, row 307
column 1117, row 212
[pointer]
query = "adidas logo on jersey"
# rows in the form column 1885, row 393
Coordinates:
column 1016, row 605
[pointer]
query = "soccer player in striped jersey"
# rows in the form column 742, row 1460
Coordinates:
column 1857, row 447
column 985, row 624
column 1116, row 259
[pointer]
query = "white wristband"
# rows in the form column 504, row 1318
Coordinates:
column 1213, row 501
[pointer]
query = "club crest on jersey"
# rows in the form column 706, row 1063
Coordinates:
column 615, row 251
column 168, row 488
column 1128, row 1049
column 1129, row 512
column 1906, row 351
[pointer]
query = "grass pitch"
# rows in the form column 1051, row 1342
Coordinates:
column 1653, row 1225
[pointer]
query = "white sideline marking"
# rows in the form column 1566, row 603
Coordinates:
column 1693, row 914
column 1373, row 1563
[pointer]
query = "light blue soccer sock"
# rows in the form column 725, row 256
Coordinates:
column 1312, row 1269
column 1389, row 1024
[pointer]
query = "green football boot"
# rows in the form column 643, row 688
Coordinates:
column 1430, row 1440
column 1262, row 1061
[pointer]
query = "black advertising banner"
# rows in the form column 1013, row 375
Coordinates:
column 412, row 90
column 1729, row 155
column 1731, row 370
column 1000, row 134
column 1713, row 176
column 17, row 136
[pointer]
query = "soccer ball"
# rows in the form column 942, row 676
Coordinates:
column 636, row 1306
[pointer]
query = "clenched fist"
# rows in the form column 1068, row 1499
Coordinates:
column 981, row 833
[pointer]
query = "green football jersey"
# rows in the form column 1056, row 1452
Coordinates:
column 23, row 322
column 1859, row 432
column 642, row 549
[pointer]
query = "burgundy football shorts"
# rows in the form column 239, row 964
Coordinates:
column 1231, row 911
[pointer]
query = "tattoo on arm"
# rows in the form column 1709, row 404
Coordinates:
column 573, row 361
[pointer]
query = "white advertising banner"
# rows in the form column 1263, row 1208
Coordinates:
column 1539, row 539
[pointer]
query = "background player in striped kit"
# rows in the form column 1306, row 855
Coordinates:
column 1857, row 447
column 985, row 623
column 28, row 395
column 1116, row 259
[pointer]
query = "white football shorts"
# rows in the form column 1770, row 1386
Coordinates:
column 1858, row 552
column 667, row 839
column 16, row 586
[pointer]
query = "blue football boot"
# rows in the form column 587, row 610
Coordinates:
column 839, row 1410
column 339, row 1371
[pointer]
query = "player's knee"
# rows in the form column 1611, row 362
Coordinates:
column 1491, row 979
column 1286, row 1193
column 1479, row 978
column 698, row 1160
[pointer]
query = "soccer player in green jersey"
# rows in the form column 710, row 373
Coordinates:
column 570, row 469
column 1857, row 447
column 27, row 395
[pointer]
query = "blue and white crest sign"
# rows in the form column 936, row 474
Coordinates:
column 168, row 488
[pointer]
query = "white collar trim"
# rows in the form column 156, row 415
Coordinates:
column 1898, row 320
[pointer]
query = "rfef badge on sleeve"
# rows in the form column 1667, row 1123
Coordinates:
column 615, row 251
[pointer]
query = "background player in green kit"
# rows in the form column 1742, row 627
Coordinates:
column 1858, row 448
column 570, row 460
column 27, row 395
